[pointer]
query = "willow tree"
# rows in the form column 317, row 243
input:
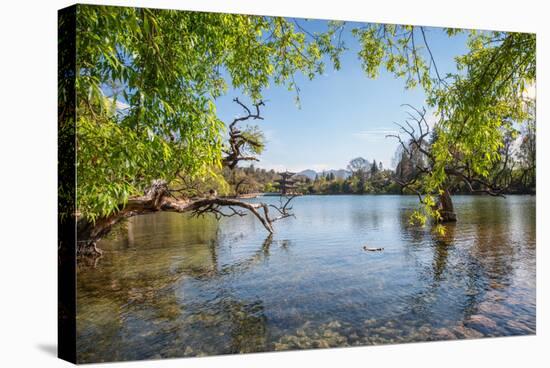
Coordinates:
column 476, row 107
column 146, row 85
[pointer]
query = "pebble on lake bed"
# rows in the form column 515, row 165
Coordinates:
column 444, row 334
column 466, row 333
column 306, row 338
column 495, row 309
column 481, row 321
column 188, row 351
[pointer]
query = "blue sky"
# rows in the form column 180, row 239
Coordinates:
column 343, row 114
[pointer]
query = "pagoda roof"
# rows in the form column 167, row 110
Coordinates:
column 287, row 173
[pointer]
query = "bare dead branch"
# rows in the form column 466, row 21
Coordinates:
column 283, row 209
column 158, row 198
column 237, row 140
column 488, row 188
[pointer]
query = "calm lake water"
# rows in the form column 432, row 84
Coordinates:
column 172, row 286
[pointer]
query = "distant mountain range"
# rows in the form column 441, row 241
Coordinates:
column 342, row 174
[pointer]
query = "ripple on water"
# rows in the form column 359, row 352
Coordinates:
column 171, row 286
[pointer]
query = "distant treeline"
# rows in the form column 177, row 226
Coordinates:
column 514, row 173
column 364, row 178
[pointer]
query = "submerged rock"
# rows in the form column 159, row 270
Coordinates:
column 496, row 285
column 334, row 324
column 323, row 344
column 479, row 321
column 466, row 333
column 495, row 309
column 325, row 336
column 386, row 331
column 425, row 329
column 444, row 334
column 188, row 351
column 520, row 326
column 370, row 322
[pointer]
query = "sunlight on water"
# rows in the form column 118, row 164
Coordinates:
column 171, row 286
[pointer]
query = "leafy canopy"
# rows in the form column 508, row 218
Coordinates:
column 476, row 107
column 481, row 105
column 146, row 85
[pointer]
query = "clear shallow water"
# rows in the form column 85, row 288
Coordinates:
column 172, row 286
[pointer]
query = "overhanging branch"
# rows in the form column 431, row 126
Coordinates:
column 159, row 198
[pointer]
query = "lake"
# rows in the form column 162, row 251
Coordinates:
column 170, row 286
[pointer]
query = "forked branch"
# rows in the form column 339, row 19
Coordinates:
column 240, row 142
column 417, row 155
column 159, row 198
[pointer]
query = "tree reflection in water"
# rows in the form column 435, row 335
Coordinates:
column 135, row 297
column 170, row 286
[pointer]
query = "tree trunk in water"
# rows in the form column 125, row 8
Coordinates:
column 157, row 198
column 446, row 208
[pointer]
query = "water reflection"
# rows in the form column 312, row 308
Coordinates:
column 171, row 286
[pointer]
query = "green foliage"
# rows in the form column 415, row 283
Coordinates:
column 398, row 49
column 255, row 140
column 476, row 107
column 244, row 180
column 270, row 188
column 167, row 68
column 362, row 180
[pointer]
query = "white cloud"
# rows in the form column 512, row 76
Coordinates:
column 377, row 134
column 374, row 133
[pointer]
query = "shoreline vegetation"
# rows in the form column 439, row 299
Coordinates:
column 277, row 194
column 254, row 182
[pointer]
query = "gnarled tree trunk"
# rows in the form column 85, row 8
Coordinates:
column 446, row 208
column 158, row 198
